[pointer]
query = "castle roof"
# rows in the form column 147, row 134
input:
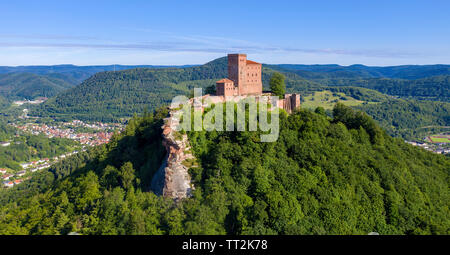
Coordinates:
column 249, row 62
column 224, row 80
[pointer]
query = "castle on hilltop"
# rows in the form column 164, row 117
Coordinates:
column 244, row 79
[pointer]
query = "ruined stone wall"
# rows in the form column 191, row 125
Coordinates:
column 290, row 102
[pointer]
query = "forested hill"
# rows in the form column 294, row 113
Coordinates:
column 76, row 73
column 407, row 118
column 30, row 86
column 29, row 82
column 436, row 88
column 107, row 96
column 429, row 82
column 411, row 72
column 340, row 175
column 3, row 102
column 110, row 95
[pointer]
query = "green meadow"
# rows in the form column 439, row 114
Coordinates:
column 328, row 99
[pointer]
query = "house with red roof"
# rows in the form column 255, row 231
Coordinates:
column 8, row 184
column 6, row 177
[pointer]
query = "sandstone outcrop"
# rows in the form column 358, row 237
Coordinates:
column 173, row 179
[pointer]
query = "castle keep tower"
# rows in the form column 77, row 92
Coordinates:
column 244, row 77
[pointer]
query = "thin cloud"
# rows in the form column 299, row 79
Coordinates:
column 181, row 43
column 363, row 52
column 49, row 37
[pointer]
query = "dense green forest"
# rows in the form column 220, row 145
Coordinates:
column 4, row 103
column 6, row 132
column 76, row 74
column 109, row 96
column 410, row 72
column 419, row 82
column 407, row 118
column 431, row 88
column 29, row 82
column 30, row 86
column 340, row 175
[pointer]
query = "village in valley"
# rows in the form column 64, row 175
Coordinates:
column 439, row 143
column 94, row 134
column 84, row 134
column 11, row 179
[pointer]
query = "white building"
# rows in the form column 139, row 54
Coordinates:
column 6, row 177
column 5, row 144
column 21, row 173
column 8, row 184
column 25, row 165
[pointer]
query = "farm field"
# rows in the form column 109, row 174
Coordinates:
column 328, row 99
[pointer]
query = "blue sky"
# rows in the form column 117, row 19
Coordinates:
column 194, row 32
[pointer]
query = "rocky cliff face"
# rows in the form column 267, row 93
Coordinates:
column 172, row 179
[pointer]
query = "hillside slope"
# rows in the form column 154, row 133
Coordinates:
column 429, row 82
column 323, row 176
column 430, row 88
column 76, row 73
column 394, row 72
column 30, row 86
column 107, row 96
column 406, row 118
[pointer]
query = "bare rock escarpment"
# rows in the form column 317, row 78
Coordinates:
column 172, row 179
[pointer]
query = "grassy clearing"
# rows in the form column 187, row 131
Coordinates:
column 440, row 139
column 328, row 99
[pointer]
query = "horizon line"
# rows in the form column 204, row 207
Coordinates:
column 193, row 65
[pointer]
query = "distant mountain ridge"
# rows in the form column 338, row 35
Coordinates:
column 394, row 72
column 428, row 82
column 29, row 86
column 78, row 73
column 28, row 82
column 110, row 95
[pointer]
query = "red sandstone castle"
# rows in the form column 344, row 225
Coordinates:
column 244, row 77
